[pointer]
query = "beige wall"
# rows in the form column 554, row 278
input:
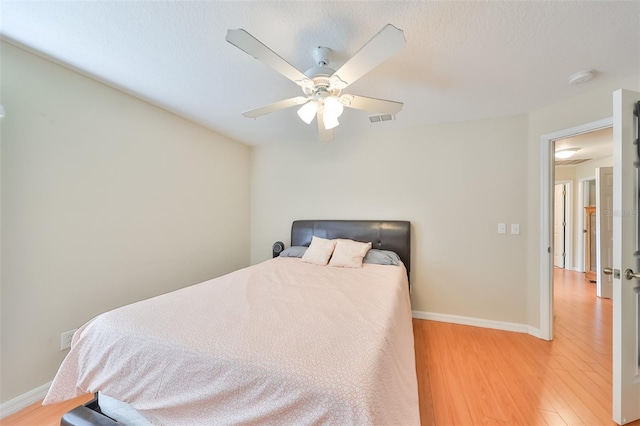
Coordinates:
column 454, row 182
column 566, row 173
column 589, row 107
column 106, row 200
column 588, row 169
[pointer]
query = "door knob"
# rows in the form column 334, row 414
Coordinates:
column 629, row 274
column 607, row 271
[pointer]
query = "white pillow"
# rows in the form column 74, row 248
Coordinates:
column 349, row 254
column 319, row 251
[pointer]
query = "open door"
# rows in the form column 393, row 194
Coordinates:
column 604, row 230
column 626, row 258
column 559, row 226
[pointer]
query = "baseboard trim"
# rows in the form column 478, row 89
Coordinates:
column 477, row 322
column 23, row 401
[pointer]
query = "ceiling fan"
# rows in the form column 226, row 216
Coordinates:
column 322, row 86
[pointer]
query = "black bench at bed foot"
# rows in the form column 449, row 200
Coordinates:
column 84, row 416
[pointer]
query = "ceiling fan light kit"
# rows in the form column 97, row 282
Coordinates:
column 322, row 86
column 308, row 111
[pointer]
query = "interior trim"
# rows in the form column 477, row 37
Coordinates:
column 23, row 401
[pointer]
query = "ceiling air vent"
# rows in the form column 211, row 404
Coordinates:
column 381, row 117
column 572, row 162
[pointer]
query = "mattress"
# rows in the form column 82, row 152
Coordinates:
column 282, row 341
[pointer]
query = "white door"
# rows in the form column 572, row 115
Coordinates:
column 604, row 230
column 558, row 226
column 626, row 290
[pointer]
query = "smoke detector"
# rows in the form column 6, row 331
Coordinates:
column 581, row 77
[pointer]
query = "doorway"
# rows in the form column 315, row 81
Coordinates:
column 549, row 143
column 625, row 383
column 591, row 168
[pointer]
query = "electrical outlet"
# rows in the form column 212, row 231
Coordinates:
column 65, row 339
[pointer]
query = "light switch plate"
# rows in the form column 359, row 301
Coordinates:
column 515, row 229
column 502, row 228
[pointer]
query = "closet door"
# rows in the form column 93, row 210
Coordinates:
column 591, row 248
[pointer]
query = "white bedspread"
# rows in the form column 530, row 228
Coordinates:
column 281, row 342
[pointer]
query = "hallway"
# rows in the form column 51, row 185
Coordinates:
column 471, row 375
column 582, row 317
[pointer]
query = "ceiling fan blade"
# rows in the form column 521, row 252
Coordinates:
column 276, row 106
column 381, row 106
column 326, row 135
column 254, row 47
column 381, row 47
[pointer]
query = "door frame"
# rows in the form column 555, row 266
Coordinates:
column 547, row 182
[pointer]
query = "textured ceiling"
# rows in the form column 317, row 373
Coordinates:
column 462, row 61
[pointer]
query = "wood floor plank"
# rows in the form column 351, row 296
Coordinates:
column 577, row 404
column 593, row 403
column 425, row 396
column 552, row 418
column 560, row 405
column 446, row 384
column 598, row 388
column 523, row 390
column 603, row 374
column 39, row 415
column 482, row 392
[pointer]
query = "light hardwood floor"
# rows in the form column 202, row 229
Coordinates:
column 475, row 376
column 39, row 415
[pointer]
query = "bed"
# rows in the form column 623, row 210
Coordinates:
column 284, row 341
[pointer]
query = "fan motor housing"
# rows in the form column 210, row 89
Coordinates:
column 322, row 55
column 321, row 87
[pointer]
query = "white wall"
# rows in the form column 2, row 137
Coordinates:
column 454, row 182
column 106, row 200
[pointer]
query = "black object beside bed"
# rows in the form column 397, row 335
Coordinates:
column 88, row 414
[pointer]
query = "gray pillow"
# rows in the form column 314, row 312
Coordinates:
column 294, row 251
column 382, row 257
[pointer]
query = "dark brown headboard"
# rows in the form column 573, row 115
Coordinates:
column 392, row 235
